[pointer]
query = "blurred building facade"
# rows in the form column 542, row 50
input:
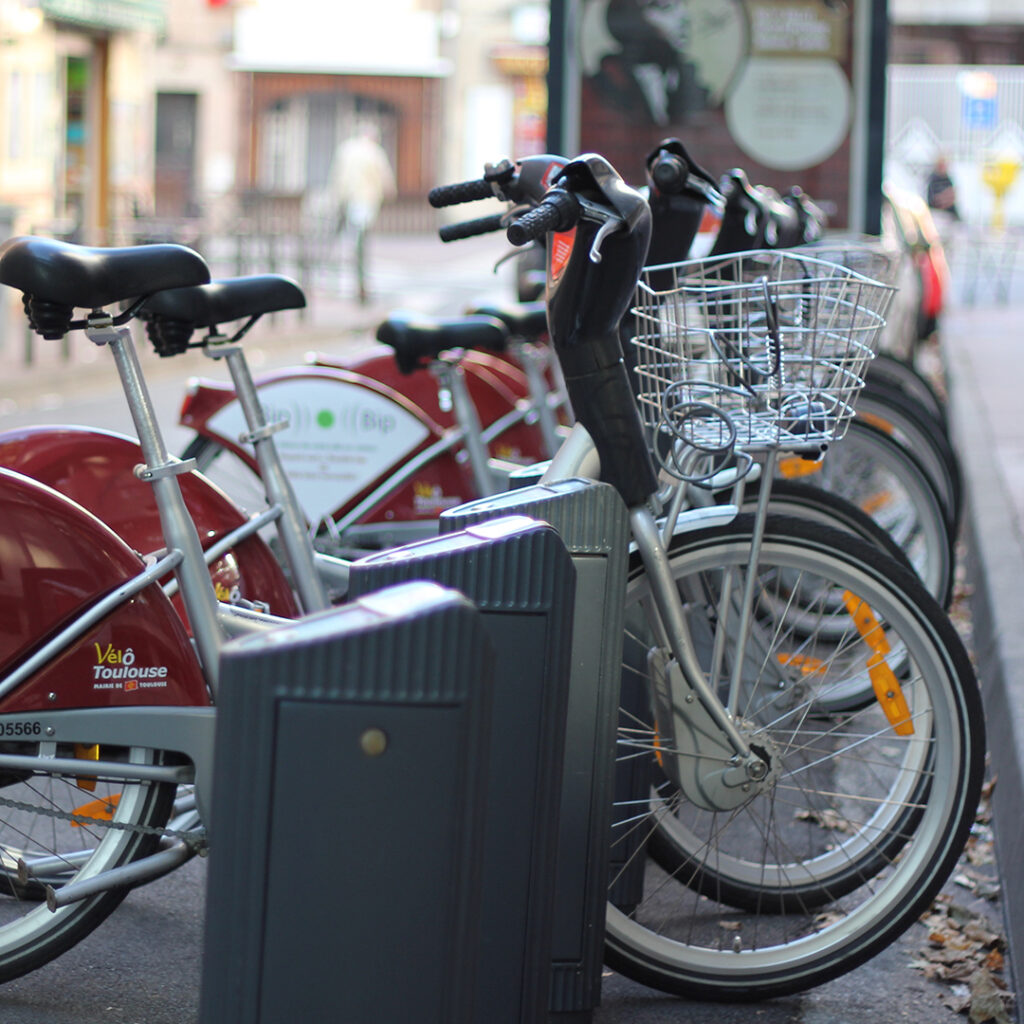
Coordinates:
column 75, row 76
column 124, row 118
column 956, row 90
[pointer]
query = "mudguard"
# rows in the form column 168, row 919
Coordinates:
column 495, row 386
column 95, row 468
column 348, row 434
column 58, row 561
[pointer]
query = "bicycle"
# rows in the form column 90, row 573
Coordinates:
column 346, row 519
column 912, row 489
column 812, row 671
column 611, row 223
column 455, row 417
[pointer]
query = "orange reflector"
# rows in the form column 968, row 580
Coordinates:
column 657, row 749
column 101, row 809
column 875, row 502
column 876, row 421
column 807, row 664
column 867, row 625
column 793, row 466
column 87, row 753
column 890, row 695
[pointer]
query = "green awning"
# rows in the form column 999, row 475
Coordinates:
column 107, row 14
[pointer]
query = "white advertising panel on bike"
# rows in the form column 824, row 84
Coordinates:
column 340, row 437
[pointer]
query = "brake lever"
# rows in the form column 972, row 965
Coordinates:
column 611, row 222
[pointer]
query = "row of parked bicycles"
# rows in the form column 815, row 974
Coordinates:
column 801, row 742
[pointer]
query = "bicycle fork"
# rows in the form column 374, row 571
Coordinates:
column 698, row 741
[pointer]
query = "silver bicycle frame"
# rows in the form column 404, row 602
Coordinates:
column 212, row 622
column 578, row 457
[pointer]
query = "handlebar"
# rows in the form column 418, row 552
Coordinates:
column 523, row 184
column 668, row 171
column 469, row 228
column 460, row 192
column 558, row 211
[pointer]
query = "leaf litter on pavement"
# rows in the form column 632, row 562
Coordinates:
column 964, row 950
column 965, row 947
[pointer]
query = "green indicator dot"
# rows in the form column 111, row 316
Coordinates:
column 325, row 419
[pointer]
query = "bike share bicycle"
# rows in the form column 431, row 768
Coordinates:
column 358, row 507
column 382, row 515
column 895, row 464
column 773, row 847
column 706, row 749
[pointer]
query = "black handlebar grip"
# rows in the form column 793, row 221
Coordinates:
column 469, row 228
column 668, row 172
column 461, row 192
column 558, row 212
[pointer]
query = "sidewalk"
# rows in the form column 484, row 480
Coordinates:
column 983, row 355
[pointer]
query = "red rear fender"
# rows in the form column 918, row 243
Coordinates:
column 95, row 468
column 58, row 561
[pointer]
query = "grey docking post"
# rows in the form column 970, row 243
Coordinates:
column 593, row 523
column 346, row 820
column 518, row 574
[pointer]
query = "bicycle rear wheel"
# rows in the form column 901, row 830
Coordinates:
column 864, row 813
column 40, row 845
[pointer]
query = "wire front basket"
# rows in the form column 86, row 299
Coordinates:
column 754, row 351
column 870, row 256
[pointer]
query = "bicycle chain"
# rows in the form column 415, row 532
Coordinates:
column 120, row 826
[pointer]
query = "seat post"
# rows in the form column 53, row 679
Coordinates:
column 452, row 377
column 161, row 471
column 291, row 524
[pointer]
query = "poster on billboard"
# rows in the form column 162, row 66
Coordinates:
column 769, row 86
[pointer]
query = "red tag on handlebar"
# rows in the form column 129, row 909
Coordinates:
column 553, row 170
column 560, row 249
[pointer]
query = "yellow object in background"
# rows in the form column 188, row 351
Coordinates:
column 999, row 174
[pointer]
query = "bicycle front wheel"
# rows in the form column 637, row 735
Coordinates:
column 868, row 800
column 55, row 829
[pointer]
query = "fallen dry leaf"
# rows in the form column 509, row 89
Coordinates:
column 987, row 1006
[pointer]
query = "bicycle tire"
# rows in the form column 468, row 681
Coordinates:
column 30, row 934
column 885, row 480
column 897, row 373
column 903, row 418
column 790, row 498
column 845, row 894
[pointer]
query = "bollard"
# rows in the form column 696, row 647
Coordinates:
column 593, row 523
column 346, row 819
column 519, row 575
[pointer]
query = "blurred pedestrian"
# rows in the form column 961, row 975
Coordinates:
column 941, row 193
column 362, row 178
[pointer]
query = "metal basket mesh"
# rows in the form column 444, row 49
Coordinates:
column 759, row 350
column 870, row 256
